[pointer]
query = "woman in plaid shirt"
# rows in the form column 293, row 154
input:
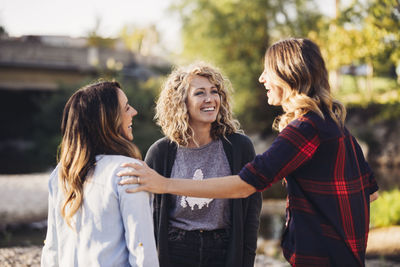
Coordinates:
column 329, row 183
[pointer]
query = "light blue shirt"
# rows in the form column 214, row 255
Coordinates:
column 112, row 227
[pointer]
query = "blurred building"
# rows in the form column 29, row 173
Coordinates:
column 32, row 68
column 45, row 62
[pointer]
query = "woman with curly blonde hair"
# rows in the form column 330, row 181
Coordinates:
column 202, row 140
column 172, row 112
column 329, row 182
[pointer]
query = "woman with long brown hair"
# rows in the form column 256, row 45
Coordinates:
column 91, row 220
column 329, row 183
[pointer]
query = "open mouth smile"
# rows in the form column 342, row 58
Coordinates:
column 207, row 109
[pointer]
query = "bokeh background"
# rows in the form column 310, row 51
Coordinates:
column 50, row 48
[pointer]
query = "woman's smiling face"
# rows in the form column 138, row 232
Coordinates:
column 127, row 113
column 274, row 93
column 203, row 101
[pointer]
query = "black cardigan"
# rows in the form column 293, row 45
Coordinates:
column 245, row 212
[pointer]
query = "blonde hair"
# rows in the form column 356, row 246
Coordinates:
column 90, row 126
column 171, row 110
column 297, row 67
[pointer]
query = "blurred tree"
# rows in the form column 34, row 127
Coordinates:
column 3, row 31
column 233, row 34
column 47, row 135
column 360, row 34
column 142, row 95
column 384, row 15
column 95, row 39
column 142, row 40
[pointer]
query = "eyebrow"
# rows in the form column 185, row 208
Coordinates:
column 203, row 88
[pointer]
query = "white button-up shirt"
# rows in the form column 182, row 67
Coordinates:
column 111, row 228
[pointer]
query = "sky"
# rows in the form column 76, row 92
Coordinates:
column 77, row 17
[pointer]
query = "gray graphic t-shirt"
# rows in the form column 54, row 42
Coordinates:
column 192, row 213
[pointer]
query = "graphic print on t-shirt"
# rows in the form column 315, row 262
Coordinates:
column 193, row 201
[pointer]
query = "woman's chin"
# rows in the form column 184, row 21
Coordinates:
column 128, row 137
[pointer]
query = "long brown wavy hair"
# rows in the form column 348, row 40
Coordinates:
column 90, row 126
column 297, row 67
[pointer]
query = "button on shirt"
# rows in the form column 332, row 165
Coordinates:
column 329, row 184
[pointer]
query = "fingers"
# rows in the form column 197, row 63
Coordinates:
column 129, row 172
column 135, row 180
column 134, row 164
column 133, row 169
column 135, row 189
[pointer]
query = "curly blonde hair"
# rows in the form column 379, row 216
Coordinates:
column 171, row 110
column 297, row 67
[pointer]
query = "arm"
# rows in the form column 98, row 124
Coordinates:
column 373, row 196
column 137, row 219
column 50, row 250
column 150, row 180
column 294, row 146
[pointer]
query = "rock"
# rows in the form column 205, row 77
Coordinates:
column 23, row 198
column 20, row 256
column 30, row 256
column 384, row 241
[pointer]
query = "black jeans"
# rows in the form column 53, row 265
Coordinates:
column 197, row 248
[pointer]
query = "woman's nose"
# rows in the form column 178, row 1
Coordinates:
column 261, row 78
column 134, row 113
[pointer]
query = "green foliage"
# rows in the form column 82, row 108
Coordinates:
column 390, row 112
column 140, row 40
column 385, row 16
column 360, row 34
column 95, row 39
column 385, row 211
column 47, row 134
column 352, row 91
column 2, row 31
column 233, row 34
column 142, row 96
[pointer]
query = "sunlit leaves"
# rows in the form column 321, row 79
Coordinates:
column 234, row 34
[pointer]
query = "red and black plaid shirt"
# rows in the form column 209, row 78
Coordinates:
column 329, row 184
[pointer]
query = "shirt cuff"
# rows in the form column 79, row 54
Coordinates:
column 252, row 178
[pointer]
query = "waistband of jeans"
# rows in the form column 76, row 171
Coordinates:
column 220, row 231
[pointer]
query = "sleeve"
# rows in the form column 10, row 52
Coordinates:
column 50, row 249
column 252, row 217
column 294, row 146
column 365, row 168
column 136, row 213
column 373, row 185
